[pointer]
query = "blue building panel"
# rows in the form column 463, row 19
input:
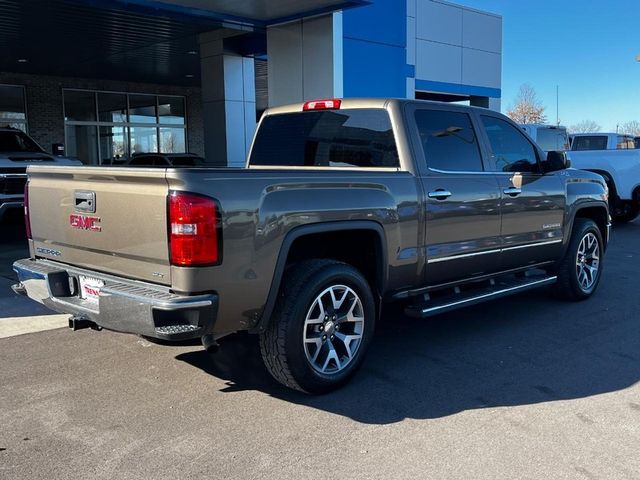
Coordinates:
column 374, row 69
column 383, row 21
column 374, row 50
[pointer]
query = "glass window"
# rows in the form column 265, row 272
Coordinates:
column 549, row 138
column 79, row 106
column 171, row 110
column 114, row 147
column 512, row 152
column 12, row 105
column 14, row 142
column 122, row 125
column 328, row 138
column 112, row 107
column 625, row 142
column 81, row 143
column 142, row 109
column 144, row 140
column 589, row 142
column 172, row 140
column 449, row 141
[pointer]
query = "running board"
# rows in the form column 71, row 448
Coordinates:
column 460, row 299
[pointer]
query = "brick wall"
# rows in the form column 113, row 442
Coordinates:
column 45, row 110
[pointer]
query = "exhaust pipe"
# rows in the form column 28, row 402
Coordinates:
column 78, row 323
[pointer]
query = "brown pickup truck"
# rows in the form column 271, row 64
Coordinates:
column 343, row 204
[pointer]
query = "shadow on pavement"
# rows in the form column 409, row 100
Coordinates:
column 460, row 361
column 521, row 350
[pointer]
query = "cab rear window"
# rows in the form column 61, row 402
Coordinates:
column 329, row 138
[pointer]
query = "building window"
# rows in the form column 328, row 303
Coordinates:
column 13, row 110
column 107, row 128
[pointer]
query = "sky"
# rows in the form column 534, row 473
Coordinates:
column 586, row 48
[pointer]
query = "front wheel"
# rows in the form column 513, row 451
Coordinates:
column 581, row 268
column 321, row 328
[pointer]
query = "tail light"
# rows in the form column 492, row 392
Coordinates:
column 194, row 230
column 328, row 104
column 27, row 220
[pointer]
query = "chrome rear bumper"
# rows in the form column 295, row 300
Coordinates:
column 122, row 305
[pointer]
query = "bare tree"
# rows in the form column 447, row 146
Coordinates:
column 631, row 128
column 585, row 126
column 527, row 108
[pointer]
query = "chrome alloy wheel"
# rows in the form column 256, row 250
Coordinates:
column 588, row 261
column 333, row 329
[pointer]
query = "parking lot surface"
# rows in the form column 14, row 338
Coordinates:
column 524, row 387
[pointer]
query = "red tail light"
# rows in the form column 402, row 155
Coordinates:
column 328, row 104
column 194, row 237
column 27, row 220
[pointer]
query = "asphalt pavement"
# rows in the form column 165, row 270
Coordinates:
column 526, row 387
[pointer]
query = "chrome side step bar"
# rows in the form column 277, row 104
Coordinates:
column 497, row 289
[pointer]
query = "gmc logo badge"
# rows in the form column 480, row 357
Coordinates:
column 84, row 222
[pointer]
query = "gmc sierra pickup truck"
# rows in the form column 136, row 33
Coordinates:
column 343, row 204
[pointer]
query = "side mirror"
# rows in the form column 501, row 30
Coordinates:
column 555, row 161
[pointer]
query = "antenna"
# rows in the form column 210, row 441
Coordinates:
column 557, row 106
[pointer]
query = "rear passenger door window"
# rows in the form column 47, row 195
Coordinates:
column 511, row 151
column 448, row 141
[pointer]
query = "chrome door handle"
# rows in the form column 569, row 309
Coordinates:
column 439, row 194
column 513, row 191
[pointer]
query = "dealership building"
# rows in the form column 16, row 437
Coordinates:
column 111, row 78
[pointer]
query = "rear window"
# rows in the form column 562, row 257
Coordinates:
column 589, row 142
column 552, row 139
column 328, row 138
column 15, row 141
column 625, row 142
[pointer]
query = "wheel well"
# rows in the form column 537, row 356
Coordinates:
column 598, row 215
column 613, row 192
column 359, row 248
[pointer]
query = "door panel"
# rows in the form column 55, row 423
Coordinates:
column 463, row 230
column 531, row 220
column 532, row 203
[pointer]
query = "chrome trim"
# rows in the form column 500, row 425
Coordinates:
column 461, row 172
column 499, row 250
column 528, row 245
column 489, row 295
column 512, row 191
column 13, row 175
column 464, row 255
column 439, row 194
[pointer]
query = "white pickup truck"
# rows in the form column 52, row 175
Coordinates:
column 614, row 157
column 548, row 137
column 17, row 152
column 600, row 141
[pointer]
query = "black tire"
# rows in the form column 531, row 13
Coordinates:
column 283, row 345
column 623, row 212
column 569, row 286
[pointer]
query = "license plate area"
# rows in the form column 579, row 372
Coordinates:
column 90, row 288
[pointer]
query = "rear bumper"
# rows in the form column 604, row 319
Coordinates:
column 123, row 305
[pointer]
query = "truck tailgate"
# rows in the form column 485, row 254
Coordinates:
column 110, row 220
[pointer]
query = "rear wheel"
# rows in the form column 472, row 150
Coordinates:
column 321, row 328
column 581, row 268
